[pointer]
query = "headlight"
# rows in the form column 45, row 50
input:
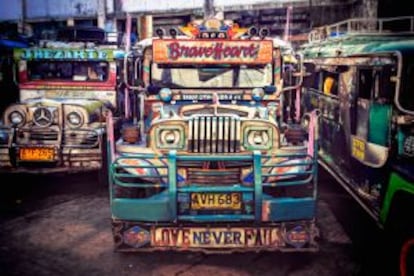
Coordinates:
column 74, row 118
column 170, row 137
column 257, row 138
column 165, row 94
column 16, row 118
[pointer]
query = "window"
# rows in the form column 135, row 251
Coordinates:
column 330, row 83
column 365, row 81
column 67, row 71
column 216, row 76
column 386, row 88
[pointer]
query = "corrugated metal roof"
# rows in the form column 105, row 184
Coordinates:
column 347, row 45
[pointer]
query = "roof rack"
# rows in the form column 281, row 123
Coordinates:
column 366, row 26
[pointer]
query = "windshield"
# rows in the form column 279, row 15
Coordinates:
column 67, row 70
column 239, row 76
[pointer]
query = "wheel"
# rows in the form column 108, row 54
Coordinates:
column 399, row 231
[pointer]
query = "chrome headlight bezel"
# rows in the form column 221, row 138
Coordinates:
column 74, row 119
column 170, row 137
column 15, row 114
column 258, row 137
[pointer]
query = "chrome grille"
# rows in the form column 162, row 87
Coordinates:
column 44, row 135
column 213, row 177
column 81, row 137
column 214, row 134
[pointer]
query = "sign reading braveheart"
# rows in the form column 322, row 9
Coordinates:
column 213, row 51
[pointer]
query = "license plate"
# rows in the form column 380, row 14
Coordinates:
column 358, row 148
column 215, row 201
column 36, row 154
column 217, row 237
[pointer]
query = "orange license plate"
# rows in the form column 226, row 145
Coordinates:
column 36, row 154
column 216, row 201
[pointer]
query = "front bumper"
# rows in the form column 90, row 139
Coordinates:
column 161, row 188
column 67, row 150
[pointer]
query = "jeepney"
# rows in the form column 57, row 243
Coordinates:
column 211, row 162
column 65, row 89
column 361, row 79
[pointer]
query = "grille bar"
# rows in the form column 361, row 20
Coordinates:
column 214, row 134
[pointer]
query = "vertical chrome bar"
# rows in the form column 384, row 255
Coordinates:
column 208, row 135
column 214, row 134
column 196, row 135
column 232, row 135
column 190, row 135
column 220, row 125
column 202, row 136
column 238, row 135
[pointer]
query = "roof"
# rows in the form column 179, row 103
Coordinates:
column 359, row 44
column 361, row 35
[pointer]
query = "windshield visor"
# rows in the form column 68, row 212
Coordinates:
column 67, row 70
column 213, row 76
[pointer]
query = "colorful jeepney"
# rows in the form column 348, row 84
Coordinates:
column 58, row 124
column 361, row 81
column 212, row 163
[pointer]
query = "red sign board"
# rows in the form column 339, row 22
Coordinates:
column 213, row 51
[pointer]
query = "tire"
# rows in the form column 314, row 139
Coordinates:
column 399, row 231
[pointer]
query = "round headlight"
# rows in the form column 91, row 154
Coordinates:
column 258, row 137
column 165, row 94
column 257, row 94
column 74, row 119
column 170, row 137
column 16, row 118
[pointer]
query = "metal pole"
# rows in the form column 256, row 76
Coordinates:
column 208, row 8
column 310, row 14
column 287, row 27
